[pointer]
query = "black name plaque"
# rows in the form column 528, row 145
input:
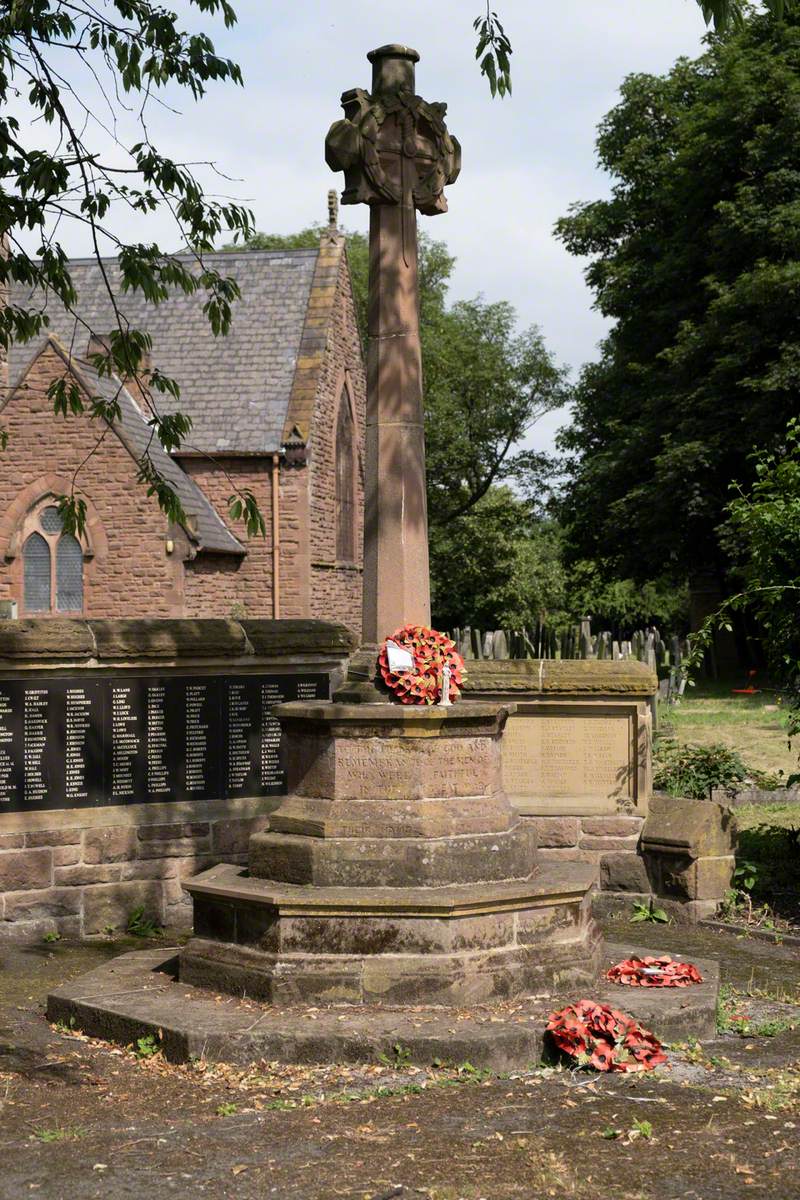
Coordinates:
column 77, row 742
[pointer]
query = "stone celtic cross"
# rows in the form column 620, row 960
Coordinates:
column 397, row 156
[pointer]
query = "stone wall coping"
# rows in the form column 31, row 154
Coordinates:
column 168, row 812
column 540, row 676
column 44, row 641
column 481, row 718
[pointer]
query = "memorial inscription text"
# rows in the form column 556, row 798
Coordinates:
column 77, row 742
column 581, row 755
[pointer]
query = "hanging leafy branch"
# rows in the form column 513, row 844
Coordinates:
column 493, row 52
column 63, row 163
column 730, row 14
column 494, row 47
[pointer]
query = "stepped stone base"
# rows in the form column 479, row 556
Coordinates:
column 464, row 944
column 139, row 994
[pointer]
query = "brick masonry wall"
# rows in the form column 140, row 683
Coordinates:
column 336, row 586
column 130, row 573
column 312, row 581
column 80, row 880
column 587, row 839
column 77, row 871
column 219, row 585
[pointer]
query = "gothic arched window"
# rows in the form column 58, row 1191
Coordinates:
column 36, row 557
column 52, row 565
column 345, row 482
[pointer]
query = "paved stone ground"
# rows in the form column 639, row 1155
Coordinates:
column 79, row 1119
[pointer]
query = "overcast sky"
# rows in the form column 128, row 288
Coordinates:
column 525, row 158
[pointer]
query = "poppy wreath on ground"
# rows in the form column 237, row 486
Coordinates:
column 431, row 652
column 599, row 1036
column 654, row 972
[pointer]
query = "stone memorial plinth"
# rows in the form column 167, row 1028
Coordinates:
column 395, row 871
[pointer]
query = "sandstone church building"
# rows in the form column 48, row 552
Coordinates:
column 277, row 406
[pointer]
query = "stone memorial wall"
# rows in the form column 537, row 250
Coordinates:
column 135, row 753
column 73, row 742
column 577, row 753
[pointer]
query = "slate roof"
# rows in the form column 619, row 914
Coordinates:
column 208, row 531
column 235, row 388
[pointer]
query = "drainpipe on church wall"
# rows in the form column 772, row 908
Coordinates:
column 276, row 538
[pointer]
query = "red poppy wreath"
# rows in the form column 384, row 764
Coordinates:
column 599, row 1036
column 654, row 972
column 415, row 676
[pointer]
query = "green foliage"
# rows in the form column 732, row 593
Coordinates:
column 485, row 386
column 763, row 535
column 227, row 1109
column 768, row 863
column 648, row 912
column 52, row 936
column 694, row 771
column 399, row 1057
column 69, row 60
column 745, row 875
column 60, row 1133
column 622, row 603
column 147, row 1046
column 496, row 566
column 65, row 1026
column 494, row 52
column 727, row 14
column 140, row 925
column 694, row 260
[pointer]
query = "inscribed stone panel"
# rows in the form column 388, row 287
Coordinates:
column 570, row 760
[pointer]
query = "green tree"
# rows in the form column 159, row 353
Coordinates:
column 592, row 589
column 485, row 387
column 694, row 258
column 496, row 566
column 60, row 169
column 763, row 537
column 727, row 14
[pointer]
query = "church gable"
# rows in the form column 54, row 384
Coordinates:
column 129, row 560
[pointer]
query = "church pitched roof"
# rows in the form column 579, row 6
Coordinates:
column 206, row 529
column 236, row 388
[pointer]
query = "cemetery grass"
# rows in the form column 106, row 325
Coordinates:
column 755, row 726
column 83, row 1119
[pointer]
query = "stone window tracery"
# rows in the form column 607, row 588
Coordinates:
column 52, row 564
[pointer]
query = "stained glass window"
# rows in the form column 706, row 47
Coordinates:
column 50, row 520
column 52, row 562
column 36, row 560
column 69, row 574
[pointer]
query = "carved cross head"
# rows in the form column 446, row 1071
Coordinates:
column 392, row 145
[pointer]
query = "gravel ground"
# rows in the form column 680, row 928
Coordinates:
column 83, row 1119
